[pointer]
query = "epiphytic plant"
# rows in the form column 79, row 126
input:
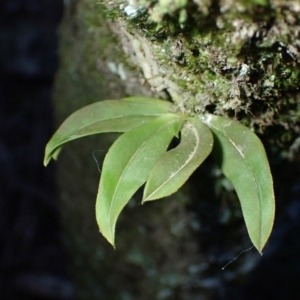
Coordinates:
column 140, row 156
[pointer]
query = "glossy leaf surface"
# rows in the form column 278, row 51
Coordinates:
column 175, row 166
column 243, row 161
column 127, row 165
column 105, row 116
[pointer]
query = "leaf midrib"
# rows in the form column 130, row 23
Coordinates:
column 187, row 161
column 118, row 183
column 115, row 118
column 72, row 135
column 252, row 173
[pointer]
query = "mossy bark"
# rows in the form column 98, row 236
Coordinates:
column 234, row 58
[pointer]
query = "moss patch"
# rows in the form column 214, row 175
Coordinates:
column 240, row 59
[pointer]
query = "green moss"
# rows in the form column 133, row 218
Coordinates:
column 208, row 57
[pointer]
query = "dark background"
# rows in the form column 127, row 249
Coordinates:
column 33, row 264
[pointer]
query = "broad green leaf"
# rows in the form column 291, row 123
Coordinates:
column 175, row 166
column 106, row 116
column 127, row 165
column 243, row 161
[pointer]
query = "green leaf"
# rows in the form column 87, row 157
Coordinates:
column 175, row 166
column 127, row 165
column 243, row 161
column 105, row 116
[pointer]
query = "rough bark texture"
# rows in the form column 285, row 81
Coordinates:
column 234, row 58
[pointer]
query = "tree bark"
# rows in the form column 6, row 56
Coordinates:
column 234, row 58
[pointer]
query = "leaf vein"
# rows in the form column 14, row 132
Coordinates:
column 127, row 165
column 192, row 154
column 252, row 174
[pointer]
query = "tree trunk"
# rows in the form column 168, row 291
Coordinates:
column 234, row 58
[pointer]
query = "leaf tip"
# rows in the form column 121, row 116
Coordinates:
column 260, row 249
column 110, row 240
column 109, row 235
column 46, row 161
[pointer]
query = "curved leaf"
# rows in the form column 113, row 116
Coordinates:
column 175, row 166
column 106, row 116
column 127, row 165
column 243, row 161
